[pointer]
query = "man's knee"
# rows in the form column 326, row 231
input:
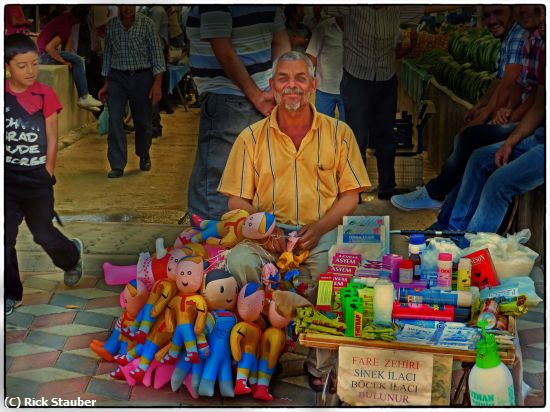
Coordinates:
column 244, row 264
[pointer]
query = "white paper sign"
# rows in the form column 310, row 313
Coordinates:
column 382, row 377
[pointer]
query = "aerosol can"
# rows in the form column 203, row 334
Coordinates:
column 490, row 381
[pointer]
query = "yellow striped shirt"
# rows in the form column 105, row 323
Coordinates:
column 297, row 186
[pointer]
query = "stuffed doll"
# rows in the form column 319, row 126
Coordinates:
column 220, row 292
column 245, row 335
column 258, row 225
column 190, row 310
column 226, row 232
column 187, row 372
column 132, row 299
column 271, row 347
column 161, row 293
column 150, row 268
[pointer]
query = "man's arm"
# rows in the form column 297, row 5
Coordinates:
column 51, row 49
column 344, row 206
column 532, row 119
column 236, row 71
column 502, row 98
column 51, row 138
column 158, row 64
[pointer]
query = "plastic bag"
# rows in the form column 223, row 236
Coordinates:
column 513, row 287
column 510, row 257
column 102, row 125
column 436, row 246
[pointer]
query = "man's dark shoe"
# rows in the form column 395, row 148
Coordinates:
column 113, row 174
column 10, row 305
column 145, row 163
column 195, row 105
column 156, row 134
column 72, row 277
column 128, row 128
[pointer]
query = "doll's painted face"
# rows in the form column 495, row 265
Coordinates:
column 176, row 255
column 133, row 297
column 189, row 274
column 250, row 302
column 221, row 290
column 258, row 225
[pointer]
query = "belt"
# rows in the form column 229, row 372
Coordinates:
column 133, row 72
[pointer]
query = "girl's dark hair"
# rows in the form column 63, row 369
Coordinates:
column 17, row 44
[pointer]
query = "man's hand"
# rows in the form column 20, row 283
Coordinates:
column 265, row 102
column 503, row 154
column 276, row 242
column 310, row 235
column 102, row 93
column 155, row 94
column 470, row 115
column 502, row 116
column 68, row 64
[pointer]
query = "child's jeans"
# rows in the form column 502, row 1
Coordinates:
column 29, row 195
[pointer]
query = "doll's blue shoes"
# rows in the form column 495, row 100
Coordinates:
column 72, row 277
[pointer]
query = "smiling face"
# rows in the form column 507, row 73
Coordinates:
column 189, row 274
column 176, row 255
column 23, row 69
column 498, row 19
column 292, row 85
column 221, row 293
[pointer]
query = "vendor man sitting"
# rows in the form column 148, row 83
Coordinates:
column 300, row 165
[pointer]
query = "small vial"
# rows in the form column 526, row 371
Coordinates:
column 406, row 271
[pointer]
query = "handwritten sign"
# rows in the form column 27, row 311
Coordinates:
column 384, row 377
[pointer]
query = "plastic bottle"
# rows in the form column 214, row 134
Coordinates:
column 445, row 271
column 414, row 256
column 490, row 381
column 406, row 271
column 464, row 276
column 419, row 240
column 383, row 302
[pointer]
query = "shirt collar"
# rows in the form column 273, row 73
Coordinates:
column 275, row 125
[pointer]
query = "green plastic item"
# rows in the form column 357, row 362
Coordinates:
column 487, row 350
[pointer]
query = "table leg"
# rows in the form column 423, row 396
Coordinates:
column 463, row 383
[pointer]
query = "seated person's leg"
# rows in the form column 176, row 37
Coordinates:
column 245, row 262
column 78, row 71
column 435, row 191
column 480, row 166
column 523, row 172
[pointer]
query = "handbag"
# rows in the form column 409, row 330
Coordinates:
column 102, row 125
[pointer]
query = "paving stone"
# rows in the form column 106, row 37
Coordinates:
column 37, row 299
column 114, row 311
column 108, row 390
column 42, row 284
column 533, row 366
column 75, row 363
column 74, row 329
column 31, row 291
column 535, row 401
column 8, row 362
column 46, row 339
column 150, row 394
column 532, row 379
column 523, row 324
column 46, row 374
column 108, row 302
column 527, row 337
column 95, row 319
column 301, row 381
column 85, row 282
column 43, row 309
column 21, row 387
column 19, row 319
column 38, row 360
column 54, row 319
column 112, row 288
column 538, row 345
column 25, row 348
column 88, row 293
column 86, row 352
column 104, row 368
column 14, row 328
column 63, row 387
column 63, row 300
column 14, row 336
column 83, row 341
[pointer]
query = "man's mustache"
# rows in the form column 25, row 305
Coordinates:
column 291, row 90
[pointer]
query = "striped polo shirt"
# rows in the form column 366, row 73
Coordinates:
column 251, row 31
column 297, row 186
column 369, row 37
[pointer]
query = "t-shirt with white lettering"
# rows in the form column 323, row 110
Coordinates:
column 327, row 45
column 25, row 114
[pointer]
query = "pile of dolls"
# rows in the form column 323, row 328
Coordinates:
column 185, row 321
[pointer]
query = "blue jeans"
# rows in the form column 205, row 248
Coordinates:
column 78, row 70
column 326, row 103
column 486, row 191
column 125, row 87
column 470, row 139
column 223, row 118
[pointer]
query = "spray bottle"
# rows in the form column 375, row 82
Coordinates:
column 490, row 381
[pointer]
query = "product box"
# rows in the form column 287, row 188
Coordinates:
column 329, row 287
column 483, row 269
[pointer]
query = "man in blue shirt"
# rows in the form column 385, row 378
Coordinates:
column 133, row 64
